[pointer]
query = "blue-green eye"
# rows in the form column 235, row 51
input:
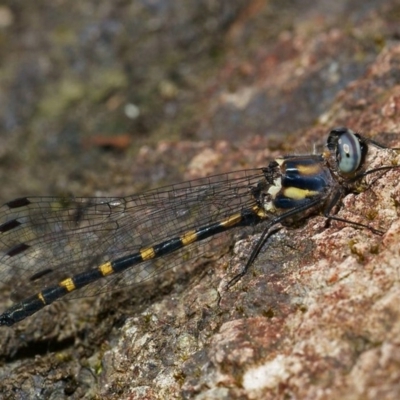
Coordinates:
column 347, row 146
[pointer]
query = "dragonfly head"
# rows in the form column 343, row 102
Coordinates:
column 349, row 150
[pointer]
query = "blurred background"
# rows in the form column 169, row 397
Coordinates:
column 102, row 97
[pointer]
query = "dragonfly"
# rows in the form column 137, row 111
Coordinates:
column 68, row 247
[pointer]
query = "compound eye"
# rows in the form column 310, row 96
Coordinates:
column 348, row 152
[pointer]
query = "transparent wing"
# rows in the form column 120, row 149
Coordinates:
column 44, row 240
